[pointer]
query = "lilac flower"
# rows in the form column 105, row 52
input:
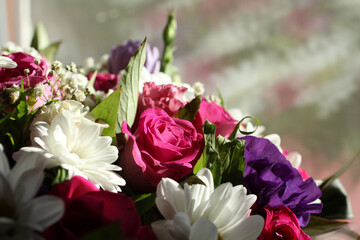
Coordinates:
column 276, row 183
column 120, row 56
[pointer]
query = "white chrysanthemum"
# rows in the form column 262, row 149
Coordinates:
column 20, row 213
column 6, row 62
column 77, row 110
column 79, row 148
column 200, row 212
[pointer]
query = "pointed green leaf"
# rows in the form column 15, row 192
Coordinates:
column 111, row 231
column 318, row 225
column 327, row 182
column 189, row 111
column 210, row 150
column 107, row 110
column 130, row 88
column 222, row 103
column 169, row 35
column 22, row 107
column 40, row 39
column 90, row 85
column 145, row 202
column 237, row 127
column 336, row 202
column 51, row 50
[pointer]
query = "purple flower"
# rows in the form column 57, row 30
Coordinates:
column 120, row 56
column 276, row 183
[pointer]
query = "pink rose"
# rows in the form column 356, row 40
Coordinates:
column 281, row 223
column 160, row 147
column 88, row 208
column 9, row 77
column 168, row 97
column 217, row 115
column 105, row 81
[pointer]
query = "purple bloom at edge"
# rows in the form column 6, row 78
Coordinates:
column 120, row 56
column 276, row 183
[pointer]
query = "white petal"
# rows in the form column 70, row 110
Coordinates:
column 182, row 225
column 295, row 159
column 161, row 229
column 171, row 191
column 28, row 185
column 165, row 208
column 203, row 229
column 4, row 164
column 249, row 229
column 41, row 212
column 6, row 62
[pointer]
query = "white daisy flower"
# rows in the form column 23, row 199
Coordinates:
column 79, row 148
column 20, row 213
column 200, row 212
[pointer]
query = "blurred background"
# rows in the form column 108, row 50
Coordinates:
column 295, row 65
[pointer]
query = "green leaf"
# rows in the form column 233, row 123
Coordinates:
column 169, row 35
column 224, row 157
column 237, row 127
column 327, row 182
column 222, row 103
column 189, row 111
column 210, row 151
column 55, row 176
column 235, row 171
column 90, row 85
column 130, row 88
column 111, row 231
column 145, row 202
column 318, row 225
column 51, row 50
column 191, row 180
column 336, row 202
column 40, row 39
column 22, row 107
column 107, row 110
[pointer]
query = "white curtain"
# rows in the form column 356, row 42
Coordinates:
column 15, row 22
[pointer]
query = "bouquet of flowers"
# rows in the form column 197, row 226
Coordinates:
column 123, row 149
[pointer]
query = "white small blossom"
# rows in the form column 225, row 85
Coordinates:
column 39, row 90
column 89, row 64
column 199, row 88
column 79, row 95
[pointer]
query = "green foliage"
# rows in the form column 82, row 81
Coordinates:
column 51, row 50
column 111, row 231
column 318, row 225
column 130, row 88
column 189, row 111
column 237, row 127
column 106, row 111
column 328, row 181
column 224, row 157
column 56, row 175
column 336, row 202
column 145, row 202
column 15, row 126
column 169, row 36
column 40, row 41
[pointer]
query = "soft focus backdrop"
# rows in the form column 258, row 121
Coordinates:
column 293, row 64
